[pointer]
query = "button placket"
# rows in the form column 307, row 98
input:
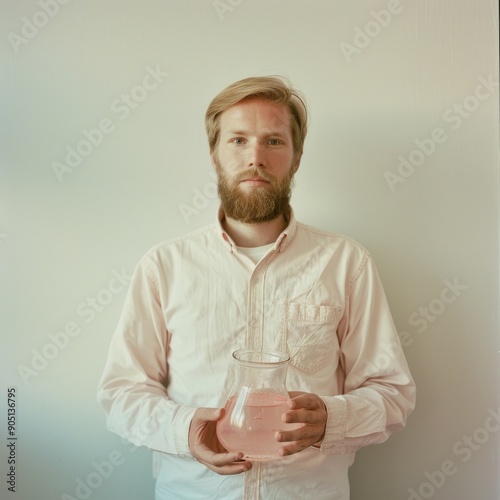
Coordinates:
column 255, row 308
column 252, row 482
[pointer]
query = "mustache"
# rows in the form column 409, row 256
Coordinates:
column 255, row 172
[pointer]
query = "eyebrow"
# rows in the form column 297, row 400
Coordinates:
column 272, row 133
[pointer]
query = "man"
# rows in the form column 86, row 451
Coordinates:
column 256, row 278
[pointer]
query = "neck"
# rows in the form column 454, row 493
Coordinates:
column 254, row 235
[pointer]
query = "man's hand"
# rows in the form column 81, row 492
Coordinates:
column 310, row 410
column 206, row 448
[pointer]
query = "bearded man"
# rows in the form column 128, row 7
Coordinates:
column 256, row 278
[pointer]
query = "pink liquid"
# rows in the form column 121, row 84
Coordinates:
column 249, row 425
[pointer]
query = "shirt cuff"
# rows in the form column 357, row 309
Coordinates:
column 336, row 424
column 180, row 426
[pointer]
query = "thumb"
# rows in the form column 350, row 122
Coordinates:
column 209, row 414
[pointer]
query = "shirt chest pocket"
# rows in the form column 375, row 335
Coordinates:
column 310, row 334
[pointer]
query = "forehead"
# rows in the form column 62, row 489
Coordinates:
column 257, row 114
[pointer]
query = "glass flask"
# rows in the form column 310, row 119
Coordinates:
column 255, row 404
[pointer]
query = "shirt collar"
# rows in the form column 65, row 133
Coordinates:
column 283, row 240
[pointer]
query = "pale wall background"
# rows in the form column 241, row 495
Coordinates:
column 433, row 235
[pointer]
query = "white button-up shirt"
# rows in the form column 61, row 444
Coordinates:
column 194, row 300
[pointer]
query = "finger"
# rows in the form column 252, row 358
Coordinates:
column 305, row 416
column 300, row 416
column 294, row 394
column 218, row 459
column 230, row 469
column 308, row 401
column 225, row 463
column 304, row 433
column 296, row 447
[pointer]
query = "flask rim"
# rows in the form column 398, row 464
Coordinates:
column 260, row 358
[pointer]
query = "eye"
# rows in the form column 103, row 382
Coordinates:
column 275, row 142
column 237, row 140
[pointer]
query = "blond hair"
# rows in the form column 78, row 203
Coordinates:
column 269, row 88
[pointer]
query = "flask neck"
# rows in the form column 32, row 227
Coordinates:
column 260, row 378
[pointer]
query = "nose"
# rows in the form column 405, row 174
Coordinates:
column 256, row 156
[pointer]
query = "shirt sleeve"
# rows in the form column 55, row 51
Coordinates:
column 132, row 389
column 379, row 391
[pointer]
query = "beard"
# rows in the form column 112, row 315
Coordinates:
column 260, row 204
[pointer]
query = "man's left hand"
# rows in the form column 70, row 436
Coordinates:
column 309, row 410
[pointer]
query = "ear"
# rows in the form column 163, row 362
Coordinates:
column 213, row 155
column 297, row 163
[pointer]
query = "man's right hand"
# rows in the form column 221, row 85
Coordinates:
column 207, row 449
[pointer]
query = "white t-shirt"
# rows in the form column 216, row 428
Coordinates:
column 255, row 253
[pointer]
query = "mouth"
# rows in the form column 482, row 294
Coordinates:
column 254, row 181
